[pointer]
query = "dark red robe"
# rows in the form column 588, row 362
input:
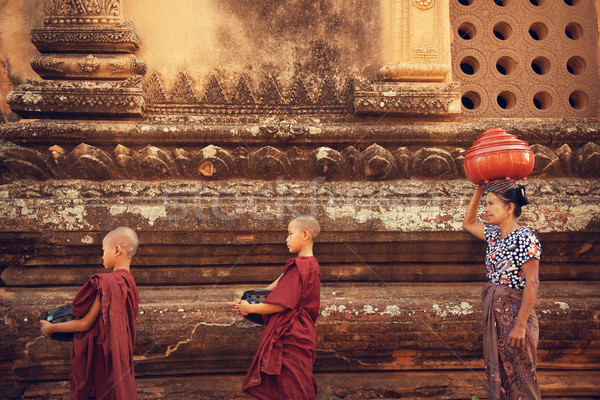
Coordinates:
column 102, row 365
column 283, row 365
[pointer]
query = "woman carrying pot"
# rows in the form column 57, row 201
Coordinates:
column 511, row 328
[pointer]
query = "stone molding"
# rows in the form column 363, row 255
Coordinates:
column 194, row 131
column 439, row 100
column 414, row 72
column 270, row 163
column 90, row 66
column 83, row 38
column 60, row 97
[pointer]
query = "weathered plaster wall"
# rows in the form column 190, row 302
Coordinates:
column 16, row 20
column 233, row 37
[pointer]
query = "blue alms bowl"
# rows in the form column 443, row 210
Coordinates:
column 61, row 314
column 255, row 297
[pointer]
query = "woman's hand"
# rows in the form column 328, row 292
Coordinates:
column 516, row 337
column 241, row 307
column 46, row 329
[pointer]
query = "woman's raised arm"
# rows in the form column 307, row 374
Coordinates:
column 470, row 223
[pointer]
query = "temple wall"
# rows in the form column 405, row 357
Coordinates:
column 207, row 125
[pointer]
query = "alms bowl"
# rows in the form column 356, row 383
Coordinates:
column 254, row 297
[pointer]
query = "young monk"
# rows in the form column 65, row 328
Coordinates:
column 104, row 309
column 283, row 365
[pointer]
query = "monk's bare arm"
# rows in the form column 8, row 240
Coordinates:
column 274, row 284
column 244, row 308
column 531, row 268
column 76, row 325
column 470, row 223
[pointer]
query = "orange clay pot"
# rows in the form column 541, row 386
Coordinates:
column 498, row 155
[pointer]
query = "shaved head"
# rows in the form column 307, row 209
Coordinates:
column 124, row 237
column 308, row 223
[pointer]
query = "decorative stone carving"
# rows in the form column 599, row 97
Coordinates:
column 413, row 72
column 377, row 163
column 98, row 66
column 402, row 99
column 123, row 160
column 214, row 163
column 352, row 158
column 434, row 163
column 66, row 12
column 327, row 162
column 89, row 162
column 82, row 37
column 334, row 96
column 154, row 90
column 458, row 154
column 565, row 155
column 28, row 163
column 423, row 4
column 123, row 98
column 214, row 92
column 269, row 163
column 283, row 131
column 586, row 162
column 183, row 91
column 154, row 164
column 83, row 40
column 403, row 158
column 547, row 162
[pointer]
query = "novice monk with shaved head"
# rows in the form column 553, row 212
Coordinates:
column 104, row 310
column 283, row 365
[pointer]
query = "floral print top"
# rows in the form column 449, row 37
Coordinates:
column 504, row 257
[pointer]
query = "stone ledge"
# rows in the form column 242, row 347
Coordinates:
column 408, row 206
column 182, row 132
column 406, row 99
column 343, row 386
column 412, row 327
column 93, row 98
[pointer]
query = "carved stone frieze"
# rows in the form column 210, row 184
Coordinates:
column 91, row 66
column 414, row 72
column 268, row 162
column 124, row 98
column 332, row 96
column 586, row 161
column 441, row 100
column 65, row 12
column 120, row 38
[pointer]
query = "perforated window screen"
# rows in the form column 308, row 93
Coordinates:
column 526, row 58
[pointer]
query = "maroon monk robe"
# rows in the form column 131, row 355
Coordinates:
column 283, row 365
column 102, row 357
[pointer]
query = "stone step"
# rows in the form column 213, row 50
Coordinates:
column 362, row 327
column 34, row 275
column 345, row 385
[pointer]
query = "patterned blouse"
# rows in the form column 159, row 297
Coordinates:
column 504, row 257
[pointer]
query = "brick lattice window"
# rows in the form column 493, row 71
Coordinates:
column 526, row 58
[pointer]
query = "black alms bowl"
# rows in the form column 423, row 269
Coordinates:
column 255, row 297
column 61, row 314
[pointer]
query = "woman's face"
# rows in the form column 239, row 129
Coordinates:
column 496, row 211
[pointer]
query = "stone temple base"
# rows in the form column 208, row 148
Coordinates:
column 400, row 282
